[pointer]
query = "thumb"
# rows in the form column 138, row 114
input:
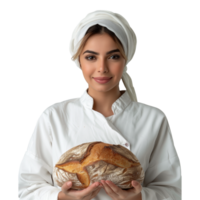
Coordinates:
column 136, row 184
column 66, row 186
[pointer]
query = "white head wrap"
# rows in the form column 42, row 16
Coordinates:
column 115, row 23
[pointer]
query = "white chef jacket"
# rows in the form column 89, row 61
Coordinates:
column 141, row 128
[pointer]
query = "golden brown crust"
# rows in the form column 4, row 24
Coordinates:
column 95, row 161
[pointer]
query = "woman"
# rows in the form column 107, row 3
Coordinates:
column 102, row 69
column 102, row 44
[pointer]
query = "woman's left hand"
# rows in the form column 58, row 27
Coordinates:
column 116, row 193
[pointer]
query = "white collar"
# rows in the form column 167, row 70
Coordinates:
column 118, row 106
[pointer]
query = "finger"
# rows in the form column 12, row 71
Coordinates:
column 136, row 187
column 87, row 191
column 107, row 187
column 66, row 188
column 110, row 185
column 95, row 193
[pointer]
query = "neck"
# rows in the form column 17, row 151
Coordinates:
column 103, row 100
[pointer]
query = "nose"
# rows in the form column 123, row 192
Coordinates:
column 102, row 66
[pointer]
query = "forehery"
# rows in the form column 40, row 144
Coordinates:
column 94, row 161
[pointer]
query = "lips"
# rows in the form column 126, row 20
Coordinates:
column 102, row 81
column 102, row 78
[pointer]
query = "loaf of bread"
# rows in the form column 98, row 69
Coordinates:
column 95, row 161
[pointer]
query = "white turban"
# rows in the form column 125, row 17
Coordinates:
column 115, row 23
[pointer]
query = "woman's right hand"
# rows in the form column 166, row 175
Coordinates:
column 85, row 194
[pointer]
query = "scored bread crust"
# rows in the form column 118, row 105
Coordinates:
column 95, row 161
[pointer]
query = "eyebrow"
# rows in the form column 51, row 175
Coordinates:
column 115, row 50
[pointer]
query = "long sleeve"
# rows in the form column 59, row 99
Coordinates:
column 35, row 172
column 163, row 176
column 58, row 130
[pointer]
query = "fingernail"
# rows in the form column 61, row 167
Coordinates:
column 68, row 184
column 136, row 183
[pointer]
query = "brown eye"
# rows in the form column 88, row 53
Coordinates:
column 89, row 57
column 116, row 57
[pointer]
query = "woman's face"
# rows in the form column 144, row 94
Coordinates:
column 101, row 63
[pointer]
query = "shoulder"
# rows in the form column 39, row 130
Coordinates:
column 149, row 109
column 60, row 107
column 149, row 117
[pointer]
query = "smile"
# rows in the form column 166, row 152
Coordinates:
column 102, row 81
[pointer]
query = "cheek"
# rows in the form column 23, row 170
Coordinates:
column 118, row 70
column 87, row 70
